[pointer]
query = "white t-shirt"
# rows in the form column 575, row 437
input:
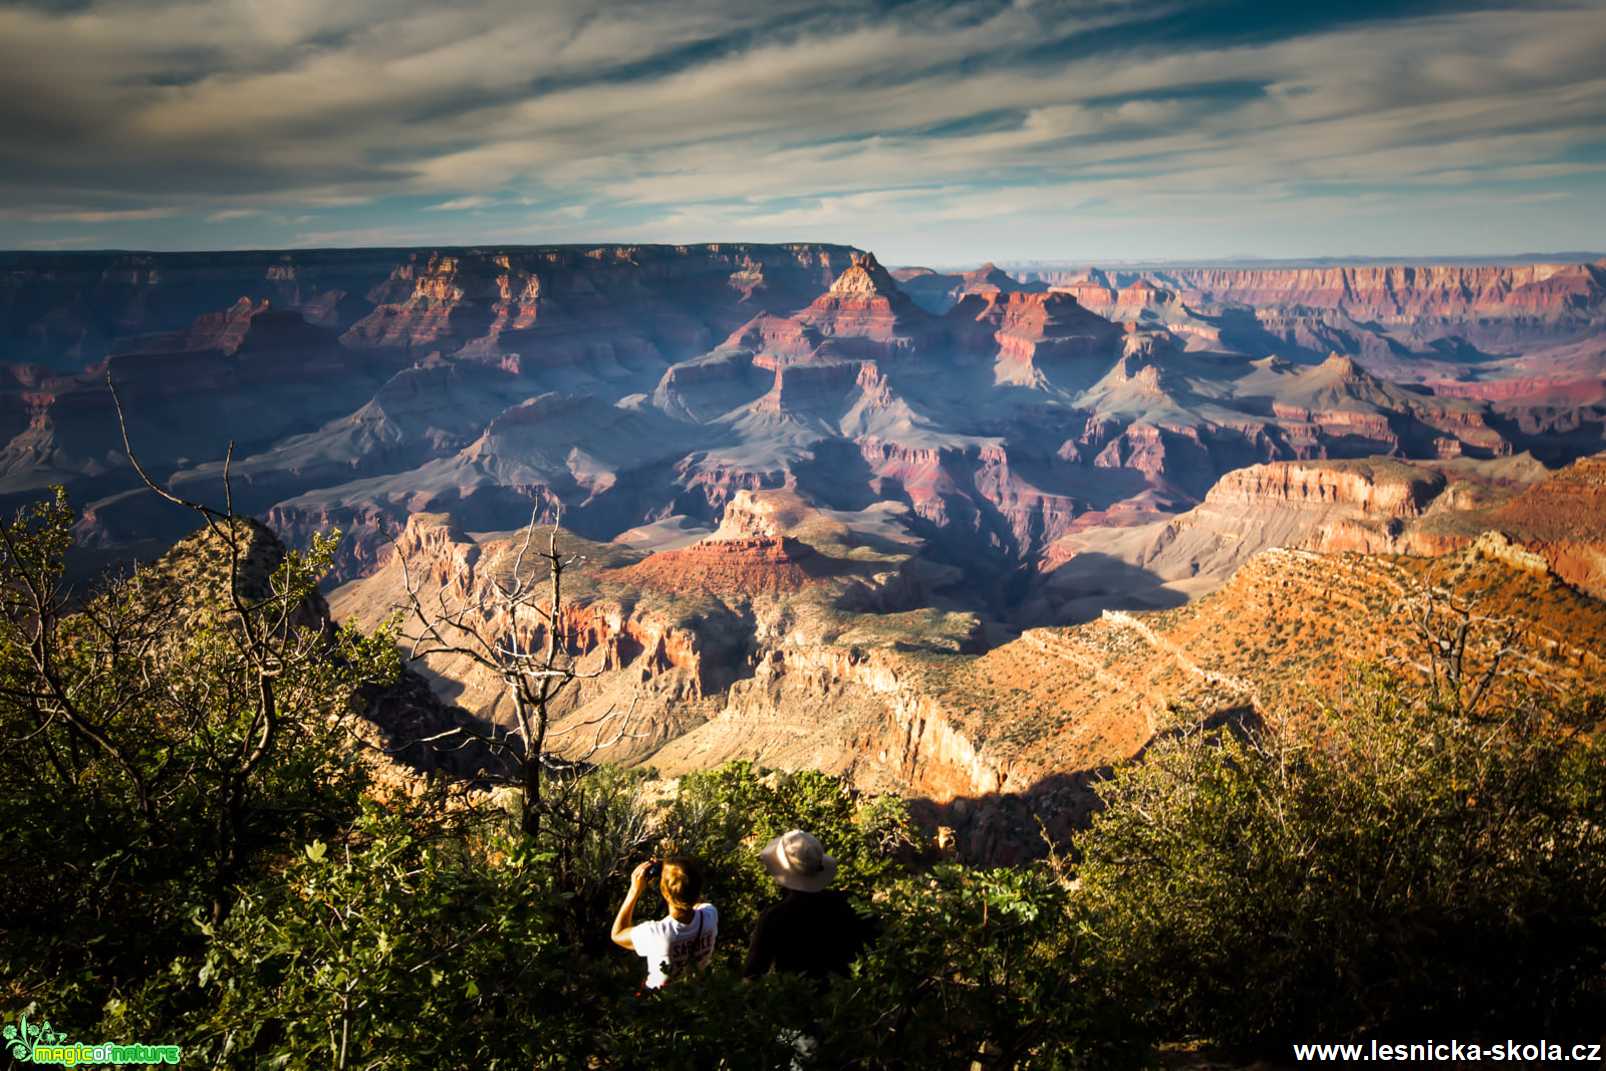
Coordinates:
column 670, row 947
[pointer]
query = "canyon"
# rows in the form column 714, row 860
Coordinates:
column 802, row 638
column 967, row 536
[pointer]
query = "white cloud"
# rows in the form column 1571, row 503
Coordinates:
column 813, row 120
column 462, row 204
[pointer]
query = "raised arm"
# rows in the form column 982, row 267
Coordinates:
column 625, row 920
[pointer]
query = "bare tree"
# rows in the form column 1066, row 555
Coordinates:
column 530, row 657
column 1465, row 652
column 529, row 654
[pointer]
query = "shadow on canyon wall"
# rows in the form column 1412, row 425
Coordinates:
column 1089, row 584
column 1009, row 828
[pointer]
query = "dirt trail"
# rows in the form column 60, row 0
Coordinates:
column 1122, row 619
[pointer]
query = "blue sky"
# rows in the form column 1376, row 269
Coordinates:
column 931, row 132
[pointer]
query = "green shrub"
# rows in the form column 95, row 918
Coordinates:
column 1396, row 868
column 724, row 816
column 977, row 965
column 401, row 946
column 142, row 780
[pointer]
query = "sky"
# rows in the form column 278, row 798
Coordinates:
column 942, row 132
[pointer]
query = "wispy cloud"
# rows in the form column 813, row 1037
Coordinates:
column 88, row 215
column 922, row 129
column 462, row 204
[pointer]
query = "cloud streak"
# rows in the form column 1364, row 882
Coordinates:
column 929, row 130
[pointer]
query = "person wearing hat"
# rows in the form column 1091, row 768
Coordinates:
column 814, row 930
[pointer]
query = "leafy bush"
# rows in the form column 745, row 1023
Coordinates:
column 155, row 759
column 395, row 948
column 724, row 816
column 977, row 965
column 398, row 946
column 968, row 961
column 1398, row 868
column 186, row 867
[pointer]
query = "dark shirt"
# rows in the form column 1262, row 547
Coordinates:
column 815, row 934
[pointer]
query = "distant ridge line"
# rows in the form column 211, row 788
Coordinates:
column 1273, row 263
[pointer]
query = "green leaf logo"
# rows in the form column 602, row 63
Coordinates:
column 21, row 1039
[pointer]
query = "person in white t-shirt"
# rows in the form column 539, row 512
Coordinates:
column 681, row 941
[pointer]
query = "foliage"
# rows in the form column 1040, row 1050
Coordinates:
column 596, row 828
column 400, row 947
column 982, row 966
column 724, row 816
column 1359, row 875
column 393, row 948
column 194, row 857
column 144, row 779
column 967, row 961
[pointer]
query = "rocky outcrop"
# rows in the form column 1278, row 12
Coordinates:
column 367, row 532
column 1563, row 518
column 767, row 683
column 1340, row 400
column 993, row 743
column 735, row 566
column 222, row 331
column 1368, row 292
column 1372, row 488
column 862, row 316
column 1030, row 333
column 1395, row 293
column 1375, row 506
column 1141, row 297
column 807, row 387
column 1366, row 309
column 441, row 562
column 68, row 310
column 775, row 672
column 570, row 305
column 938, row 292
column 689, row 373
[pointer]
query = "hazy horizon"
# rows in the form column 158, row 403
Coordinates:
column 1007, row 264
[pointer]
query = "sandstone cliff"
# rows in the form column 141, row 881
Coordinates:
column 862, row 314
column 1369, row 506
column 1033, row 335
column 986, row 741
column 1556, row 298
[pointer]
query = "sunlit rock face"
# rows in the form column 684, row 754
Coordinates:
column 821, row 505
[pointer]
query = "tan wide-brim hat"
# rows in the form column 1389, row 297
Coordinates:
column 797, row 861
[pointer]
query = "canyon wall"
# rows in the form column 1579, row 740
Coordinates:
column 1554, row 297
column 68, row 310
column 985, row 741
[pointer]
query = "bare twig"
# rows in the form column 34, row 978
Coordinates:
column 533, row 674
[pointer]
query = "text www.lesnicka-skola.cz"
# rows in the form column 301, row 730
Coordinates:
column 1584, row 1052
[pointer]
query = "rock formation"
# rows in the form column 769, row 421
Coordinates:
column 1369, row 506
column 897, row 699
column 817, row 502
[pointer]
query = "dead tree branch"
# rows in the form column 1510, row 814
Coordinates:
column 520, row 641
